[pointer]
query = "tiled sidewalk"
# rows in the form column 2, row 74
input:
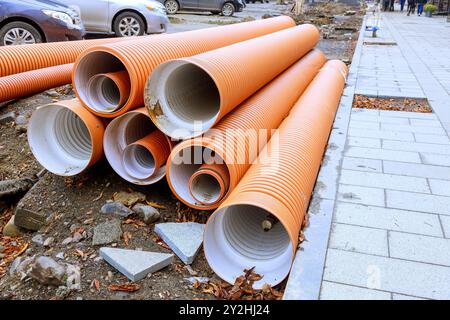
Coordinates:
column 390, row 236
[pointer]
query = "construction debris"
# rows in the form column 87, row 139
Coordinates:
column 148, row 214
column 107, row 232
column 116, row 208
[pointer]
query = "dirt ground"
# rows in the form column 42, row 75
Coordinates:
column 76, row 202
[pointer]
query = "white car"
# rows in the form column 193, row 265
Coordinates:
column 124, row 18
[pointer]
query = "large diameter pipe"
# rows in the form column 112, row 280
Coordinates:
column 65, row 138
column 188, row 96
column 139, row 57
column 238, row 138
column 135, row 150
column 18, row 59
column 259, row 224
column 31, row 82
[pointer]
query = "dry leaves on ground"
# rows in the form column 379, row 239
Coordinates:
column 125, row 287
column 393, row 104
column 156, row 205
column 13, row 247
column 186, row 214
column 126, row 237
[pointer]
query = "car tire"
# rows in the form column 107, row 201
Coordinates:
column 228, row 9
column 128, row 24
column 22, row 32
column 172, row 6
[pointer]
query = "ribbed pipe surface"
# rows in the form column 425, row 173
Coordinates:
column 139, row 57
column 186, row 97
column 209, row 184
column 277, row 187
column 17, row 59
column 240, row 135
column 65, row 138
column 31, row 82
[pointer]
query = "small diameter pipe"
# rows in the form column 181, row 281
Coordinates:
column 276, row 189
column 139, row 57
column 144, row 157
column 108, row 92
column 188, row 96
column 65, row 138
column 131, row 129
column 209, row 184
column 242, row 134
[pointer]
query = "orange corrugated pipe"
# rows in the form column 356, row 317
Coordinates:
column 31, row 82
column 139, row 57
column 186, row 97
column 240, row 135
column 18, row 59
column 65, row 138
column 209, row 184
column 259, row 224
column 123, row 135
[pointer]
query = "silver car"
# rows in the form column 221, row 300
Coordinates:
column 122, row 17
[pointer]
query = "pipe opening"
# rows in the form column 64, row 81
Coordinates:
column 236, row 240
column 138, row 161
column 63, row 145
column 94, row 64
column 205, row 188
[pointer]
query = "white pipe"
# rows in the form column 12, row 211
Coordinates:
column 138, row 162
column 103, row 93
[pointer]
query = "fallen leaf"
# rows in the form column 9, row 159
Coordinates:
column 126, row 287
column 126, row 237
column 97, row 284
column 156, row 205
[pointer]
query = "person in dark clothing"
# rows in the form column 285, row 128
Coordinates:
column 402, row 4
column 411, row 6
column 391, row 5
column 420, row 4
column 385, row 5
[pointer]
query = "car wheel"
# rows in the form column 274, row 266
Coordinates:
column 15, row 33
column 129, row 24
column 172, row 6
column 228, row 9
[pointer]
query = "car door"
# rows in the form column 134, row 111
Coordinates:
column 189, row 4
column 93, row 13
column 208, row 5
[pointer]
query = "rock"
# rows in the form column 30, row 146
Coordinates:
column 21, row 128
column 183, row 238
column 147, row 213
column 73, row 227
column 20, row 266
column 67, row 240
column 135, row 265
column 38, row 240
column 11, row 189
column 116, row 208
column 29, row 219
column 62, row 292
column 11, row 230
column 129, row 198
column 77, row 237
column 107, row 232
column 73, row 277
column 49, row 241
column 60, row 255
column 21, row 120
column 7, row 117
column 47, row 271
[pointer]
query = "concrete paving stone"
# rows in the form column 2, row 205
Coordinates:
column 183, row 238
column 445, row 225
column 364, row 125
column 391, row 120
column 432, row 138
column 364, row 142
column 388, row 274
column 419, row 248
column 367, row 133
column 406, row 114
column 363, row 195
column 425, row 123
column 396, row 296
column 337, row 291
column 418, row 202
column 416, row 170
column 382, row 154
column 365, row 112
column 359, row 239
column 413, row 129
column 387, row 218
column 361, row 164
column 416, row 146
column 440, row 187
column 436, row 159
column 135, row 264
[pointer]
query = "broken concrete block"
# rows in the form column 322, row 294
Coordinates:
column 134, row 264
column 116, row 208
column 107, row 232
column 11, row 229
column 29, row 219
column 183, row 238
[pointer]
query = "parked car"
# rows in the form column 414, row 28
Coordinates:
column 34, row 21
column 124, row 18
column 225, row 7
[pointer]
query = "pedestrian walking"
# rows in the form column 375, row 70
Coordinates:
column 391, row 5
column 411, row 6
column 402, row 4
column 385, row 5
column 420, row 4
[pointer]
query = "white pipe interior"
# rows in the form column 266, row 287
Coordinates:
column 205, row 188
column 138, row 162
column 104, row 94
column 188, row 97
column 59, row 140
column 123, row 131
column 183, row 165
column 234, row 240
column 91, row 64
